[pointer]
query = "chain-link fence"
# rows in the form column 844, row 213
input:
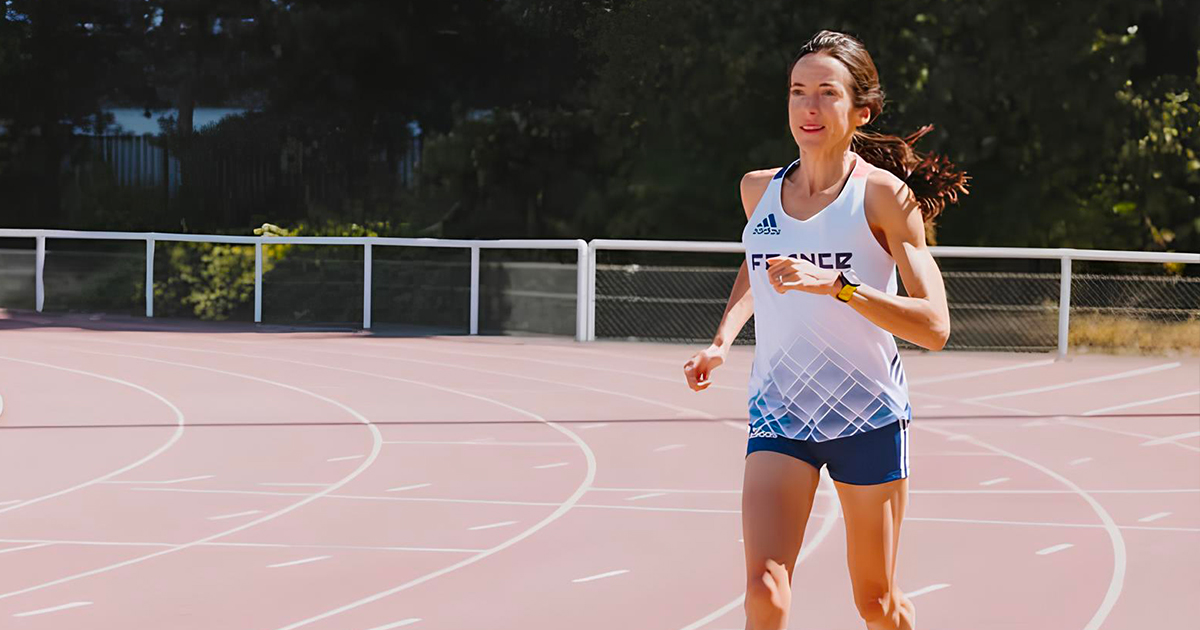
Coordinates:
column 393, row 285
column 989, row 310
column 999, row 299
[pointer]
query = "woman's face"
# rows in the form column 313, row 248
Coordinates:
column 821, row 112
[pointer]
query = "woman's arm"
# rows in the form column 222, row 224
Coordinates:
column 740, row 306
column 738, row 310
column 893, row 213
column 923, row 317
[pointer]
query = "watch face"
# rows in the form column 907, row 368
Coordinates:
column 851, row 277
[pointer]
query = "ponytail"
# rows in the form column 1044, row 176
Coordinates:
column 933, row 179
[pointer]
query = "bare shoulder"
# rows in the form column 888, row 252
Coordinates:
column 754, row 184
column 888, row 200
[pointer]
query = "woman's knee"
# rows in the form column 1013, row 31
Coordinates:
column 882, row 608
column 761, row 608
column 765, row 605
column 870, row 607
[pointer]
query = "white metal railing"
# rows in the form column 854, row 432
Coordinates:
column 366, row 242
column 1064, row 255
column 585, row 299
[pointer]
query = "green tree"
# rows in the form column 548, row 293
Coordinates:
column 60, row 60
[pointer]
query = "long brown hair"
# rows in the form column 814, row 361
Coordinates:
column 933, row 179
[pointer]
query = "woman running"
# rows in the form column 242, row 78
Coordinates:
column 824, row 239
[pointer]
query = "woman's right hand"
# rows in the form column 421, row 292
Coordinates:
column 698, row 369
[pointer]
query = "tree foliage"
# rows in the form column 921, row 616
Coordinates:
column 1078, row 121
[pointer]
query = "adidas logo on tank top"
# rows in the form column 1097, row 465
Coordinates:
column 821, row 371
column 767, row 226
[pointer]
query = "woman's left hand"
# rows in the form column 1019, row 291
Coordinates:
column 797, row 274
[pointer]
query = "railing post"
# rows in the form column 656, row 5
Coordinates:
column 39, row 266
column 367, row 286
column 1064, row 307
column 258, row 265
column 591, row 292
column 474, row 289
column 581, row 293
column 149, row 276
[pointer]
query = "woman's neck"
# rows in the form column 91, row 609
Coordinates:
column 822, row 170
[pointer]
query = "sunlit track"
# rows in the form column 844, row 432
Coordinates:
column 656, row 529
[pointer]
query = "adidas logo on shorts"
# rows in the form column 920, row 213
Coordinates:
column 767, row 226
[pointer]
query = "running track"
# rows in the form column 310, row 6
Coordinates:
column 160, row 475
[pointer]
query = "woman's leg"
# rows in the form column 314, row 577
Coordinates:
column 777, row 497
column 873, row 515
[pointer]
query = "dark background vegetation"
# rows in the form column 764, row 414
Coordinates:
column 1079, row 121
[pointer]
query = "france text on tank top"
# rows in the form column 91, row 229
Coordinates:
column 821, row 371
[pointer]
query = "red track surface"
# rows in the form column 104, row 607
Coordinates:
column 171, row 476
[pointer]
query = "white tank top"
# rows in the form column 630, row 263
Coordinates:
column 821, row 371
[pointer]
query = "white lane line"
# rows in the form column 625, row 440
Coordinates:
column 1086, row 381
column 376, row 446
column 300, row 485
column 33, row 546
column 407, row 360
column 999, row 370
column 1, row 405
column 598, row 425
column 827, row 524
column 412, row 487
column 992, row 482
column 1153, row 517
column 492, row 526
column 648, row 495
column 296, row 562
column 670, row 490
column 463, row 501
column 1117, row 581
column 925, row 491
column 1084, row 425
column 562, row 508
column 975, row 521
column 178, row 433
column 1139, row 403
column 1055, row 549
column 1150, row 491
column 225, row 516
column 53, row 609
column 1171, row 438
column 928, row 589
column 346, row 458
column 668, row 447
column 106, row 543
column 828, row 493
column 958, row 454
column 1081, row 460
column 544, row 466
column 2, row 503
column 600, row 577
column 398, row 624
column 478, row 443
column 166, row 482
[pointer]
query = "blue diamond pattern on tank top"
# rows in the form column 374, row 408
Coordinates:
column 825, row 399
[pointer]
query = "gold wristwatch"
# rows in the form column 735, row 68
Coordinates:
column 850, row 284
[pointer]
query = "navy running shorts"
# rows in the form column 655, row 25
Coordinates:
column 864, row 459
